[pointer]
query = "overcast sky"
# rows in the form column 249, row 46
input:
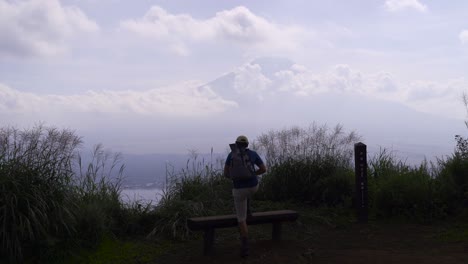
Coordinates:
column 138, row 75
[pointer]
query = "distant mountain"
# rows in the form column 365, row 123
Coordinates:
column 382, row 123
column 272, row 65
column 411, row 135
column 153, row 170
column 241, row 85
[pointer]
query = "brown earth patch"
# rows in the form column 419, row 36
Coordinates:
column 355, row 243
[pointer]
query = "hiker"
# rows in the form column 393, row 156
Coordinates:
column 240, row 167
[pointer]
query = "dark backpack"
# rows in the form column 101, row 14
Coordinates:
column 241, row 168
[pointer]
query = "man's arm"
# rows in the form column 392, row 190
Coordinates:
column 226, row 171
column 227, row 164
column 261, row 169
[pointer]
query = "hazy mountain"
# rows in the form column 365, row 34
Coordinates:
column 152, row 170
column 264, row 105
column 381, row 122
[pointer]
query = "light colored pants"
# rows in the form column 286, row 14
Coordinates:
column 240, row 201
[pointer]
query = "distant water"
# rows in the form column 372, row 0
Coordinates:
column 142, row 195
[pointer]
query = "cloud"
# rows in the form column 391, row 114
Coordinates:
column 425, row 96
column 438, row 98
column 189, row 99
column 247, row 85
column 422, row 90
column 303, row 82
column 40, row 27
column 250, row 81
column 463, row 36
column 237, row 26
column 399, row 5
column 299, row 81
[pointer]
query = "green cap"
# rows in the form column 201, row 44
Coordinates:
column 242, row 139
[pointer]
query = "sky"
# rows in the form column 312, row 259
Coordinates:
column 170, row 76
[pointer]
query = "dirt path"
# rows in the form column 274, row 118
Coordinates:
column 353, row 244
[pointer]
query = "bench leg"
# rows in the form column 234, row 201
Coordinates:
column 276, row 231
column 208, row 240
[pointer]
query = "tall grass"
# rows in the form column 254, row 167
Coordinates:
column 400, row 190
column 98, row 188
column 199, row 189
column 36, row 198
column 311, row 165
column 44, row 203
column 49, row 198
column 452, row 182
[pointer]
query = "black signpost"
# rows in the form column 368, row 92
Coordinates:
column 360, row 164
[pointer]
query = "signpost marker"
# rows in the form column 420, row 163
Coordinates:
column 360, row 164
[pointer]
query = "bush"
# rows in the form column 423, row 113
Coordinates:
column 45, row 204
column 400, row 190
column 198, row 190
column 98, row 196
column 37, row 198
column 453, row 182
column 135, row 219
column 312, row 165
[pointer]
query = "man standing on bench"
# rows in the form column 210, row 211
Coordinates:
column 240, row 167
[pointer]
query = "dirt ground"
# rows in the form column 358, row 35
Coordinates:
column 355, row 243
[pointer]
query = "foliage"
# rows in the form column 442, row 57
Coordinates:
column 310, row 165
column 45, row 205
column 403, row 190
column 197, row 190
column 312, row 143
column 114, row 250
column 453, row 182
column 36, row 200
column 455, row 232
column 461, row 148
column 98, row 194
column 52, row 202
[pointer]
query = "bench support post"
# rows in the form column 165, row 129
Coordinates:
column 208, row 224
column 276, row 231
column 208, row 240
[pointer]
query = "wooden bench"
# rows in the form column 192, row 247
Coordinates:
column 209, row 223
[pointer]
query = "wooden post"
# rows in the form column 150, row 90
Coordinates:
column 276, row 231
column 208, row 240
column 360, row 164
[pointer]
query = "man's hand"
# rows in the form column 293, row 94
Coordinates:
column 226, row 171
column 261, row 169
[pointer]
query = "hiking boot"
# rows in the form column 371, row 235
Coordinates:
column 244, row 247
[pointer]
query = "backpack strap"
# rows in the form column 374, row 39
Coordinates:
column 247, row 160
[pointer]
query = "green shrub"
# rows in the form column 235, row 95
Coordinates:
column 197, row 190
column 98, row 196
column 36, row 195
column 313, row 182
column 407, row 194
column 453, row 182
column 338, row 188
column 45, row 205
column 135, row 219
column 312, row 165
column 400, row 190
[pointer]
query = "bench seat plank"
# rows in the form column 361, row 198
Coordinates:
column 221, row 221
column 209, row 223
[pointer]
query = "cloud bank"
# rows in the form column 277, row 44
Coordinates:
column 40, row 27
column 189, row 99
column 437, row 98
column 399, row 5
column 238, row 26
column 248, row 82
column 463, row 36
